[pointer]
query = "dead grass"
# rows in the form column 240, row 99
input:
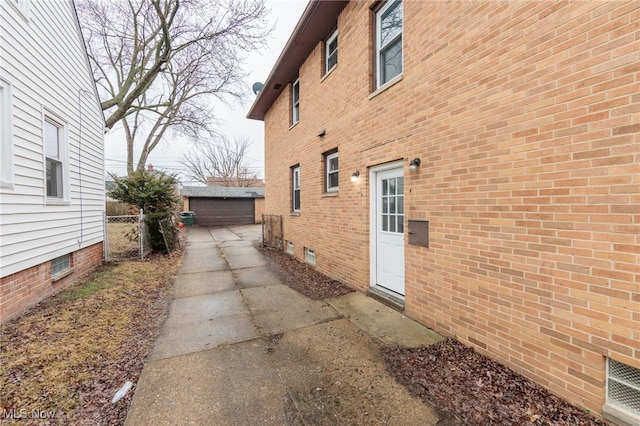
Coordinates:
column 123, row 239
column 71, row 353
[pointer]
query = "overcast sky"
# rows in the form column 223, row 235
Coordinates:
column 284, row 15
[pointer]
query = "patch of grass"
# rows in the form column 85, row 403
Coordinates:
column 98, row 281
column 72, row 352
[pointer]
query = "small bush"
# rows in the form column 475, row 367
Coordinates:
column 155, row 193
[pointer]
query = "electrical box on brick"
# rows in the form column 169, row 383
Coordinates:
column 419, row 233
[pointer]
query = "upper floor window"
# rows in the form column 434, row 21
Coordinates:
column 331, row 171
column 295, row 100
column 295, row 184
column 54, row 153
column 389, row 41
column 331, row 52
column 6, row 142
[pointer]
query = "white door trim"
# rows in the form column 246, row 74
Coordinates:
column 373, row 235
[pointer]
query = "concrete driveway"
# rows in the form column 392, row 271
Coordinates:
column 241, row 348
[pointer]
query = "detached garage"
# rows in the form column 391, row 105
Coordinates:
column 221, row 206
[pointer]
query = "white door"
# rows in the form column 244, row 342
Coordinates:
column 389, row 229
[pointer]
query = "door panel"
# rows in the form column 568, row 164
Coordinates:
column 389, row 205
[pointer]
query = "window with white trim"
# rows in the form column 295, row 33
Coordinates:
column 290, row 248
column 295, row 185
column 309, row 256
column 6, row 140
column 331, row 171
column 331, row 52
column 295, row 101
column 54, row 153
column 389, row 42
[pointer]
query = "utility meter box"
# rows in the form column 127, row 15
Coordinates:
column 419, row 233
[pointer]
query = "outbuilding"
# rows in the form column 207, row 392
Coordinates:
column 221, row 206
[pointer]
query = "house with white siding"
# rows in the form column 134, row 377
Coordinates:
column 51, row 154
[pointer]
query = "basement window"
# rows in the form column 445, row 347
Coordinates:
column 290, row 247
column 623, row 392
column 60, row 267
column 310, row 256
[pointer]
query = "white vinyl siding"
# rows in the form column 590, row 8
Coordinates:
column 22, row 6
column 6, row 140
column 43, row 58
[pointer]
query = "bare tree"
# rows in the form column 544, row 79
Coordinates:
column 222, row 159
column 158, row 64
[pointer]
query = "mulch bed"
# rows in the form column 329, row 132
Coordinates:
column 466, row 386
column 302, row 277
column 478, row 390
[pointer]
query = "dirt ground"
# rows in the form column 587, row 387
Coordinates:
column 63, row 360
column 465, row 386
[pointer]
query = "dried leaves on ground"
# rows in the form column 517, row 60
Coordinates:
column 66, row 358
column 455, row 379
column 304, row 278
column 478, row 390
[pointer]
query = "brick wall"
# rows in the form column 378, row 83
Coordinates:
column 526, row 116
column 23, row 290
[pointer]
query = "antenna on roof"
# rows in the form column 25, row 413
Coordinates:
column 257, row 87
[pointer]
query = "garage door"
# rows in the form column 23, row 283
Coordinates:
column 222, row 211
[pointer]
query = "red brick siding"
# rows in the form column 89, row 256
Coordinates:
column 22, row 290
column 526, row 118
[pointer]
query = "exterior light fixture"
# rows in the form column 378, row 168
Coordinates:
column 322, row 132
column 414, row 164
column 354, row 176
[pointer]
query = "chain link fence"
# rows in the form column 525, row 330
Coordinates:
column 170, row 235
column 126, row 237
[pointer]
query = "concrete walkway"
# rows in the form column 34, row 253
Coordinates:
column 239, row 347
